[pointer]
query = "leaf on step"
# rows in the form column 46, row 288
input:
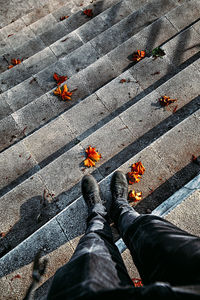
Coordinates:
column 92, row 157
column 166, row 100
column 137, row 169
column 10, row 34
column 63, row 18
column 122, row 80
column 15, row 277
column 63, row 92
column 134, row 197
column 59, row 79
column 175, row 109
column 155, row 73
column 137, row 56
column 158, row 52
column 2, row 234
column 137, row 282
column 88, row 12
column 14, row 62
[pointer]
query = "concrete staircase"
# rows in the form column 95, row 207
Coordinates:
column 43, row 139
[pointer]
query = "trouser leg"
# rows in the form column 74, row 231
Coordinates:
column 95, row 265
column 160, row 250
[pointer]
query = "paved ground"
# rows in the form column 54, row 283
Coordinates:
column 114, row 108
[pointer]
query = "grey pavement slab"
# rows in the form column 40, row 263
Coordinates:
column 66, row 10
column 23, row 93
column 147, row 39
column 9, row 15
column 188, row 12
column 12, row 77
column 178, row 155
column 65, row 172
column 76, row 20
column 196, row 26
column 50, row 138
column 3, row 64
column 116, row 94
column 5, row 109
column 4, row 46
column 147, row 113
column 92, row 111
column 26, row 50
column 14, row 162
column 67, row 66
column 9, row 132
column 182, row 47
column 12, row 28
column 148, row 71
column 98, row 74
column 43, row 24
column 104, row 21
column 17, row 201
column 186, row 214
column 39, row 61
column 79, row 59
column 36, row 14
column 54, row 33
column 34, row 114
column 66, row 44
column 109, row 139
column 130, row 25
column 20, row 38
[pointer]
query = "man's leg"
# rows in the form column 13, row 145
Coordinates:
column 160, row 250
column 96, row 263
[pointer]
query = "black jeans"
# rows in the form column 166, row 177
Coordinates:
column 161, row 251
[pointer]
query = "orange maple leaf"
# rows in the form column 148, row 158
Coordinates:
column 59, row 79
column 138, row 168
column 89, row 162
column 137, row 282
column 88, row 12
column 63, row 92
column 14, row 62
column 133, row 177
column 92, row 156
column 165, row 100
column 137, row 56
column 135, row 197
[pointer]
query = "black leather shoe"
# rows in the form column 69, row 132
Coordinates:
column 90, row 191
column 119, row 186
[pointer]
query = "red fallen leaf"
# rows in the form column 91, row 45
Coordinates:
column 64, row 40
column 137, row 282
column 122, row 80
column 29, row 157
column 15, row 277
column 63, row 18
column 175, row 108
column 63, row 93
column 92, row 157
column 14, row 62
column 88, row 12
column 165, row 100
column 2, row 234
column 10, row 34
column 137, row 56
column 156, row 73
column 23, row 131
column 134, row 197
column 59, row 79
column 194, row 158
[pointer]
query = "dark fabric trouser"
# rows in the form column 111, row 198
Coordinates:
column 161, row 252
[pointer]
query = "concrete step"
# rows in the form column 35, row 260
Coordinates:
column 19, row 96
column 39, row 35
column 60, row 235
column 129, row 26
column 107, row 104
column 140, row 124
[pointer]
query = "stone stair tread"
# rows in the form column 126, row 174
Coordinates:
column 109, row 141
column 69, row 220
column 20, row 89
